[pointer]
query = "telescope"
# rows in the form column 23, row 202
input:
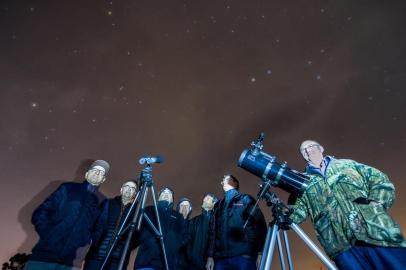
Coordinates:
column 272, row 173
column 150, row 160
column 265, row 166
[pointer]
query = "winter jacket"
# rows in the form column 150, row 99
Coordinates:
column 150, row 252
column 228, row 238
column 198, row 243
column 110, row 221
column 183, row 262
column 65, row 224
column 339, row 204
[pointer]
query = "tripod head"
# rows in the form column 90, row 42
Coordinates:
column 145, row 176
column 280, row 211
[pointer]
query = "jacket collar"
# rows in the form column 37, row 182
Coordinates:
column 165, row 205
column 89, row 187
column 310, row 169
column 207, row 212
column 230, row 194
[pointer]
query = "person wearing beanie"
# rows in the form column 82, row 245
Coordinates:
column 231, row 244
column 114, row 212
column 199, row 233
column 65, row 222
column 149, row 255
column 184, row 208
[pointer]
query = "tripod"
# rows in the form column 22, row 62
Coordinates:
column 282, row 222
column 147, row 184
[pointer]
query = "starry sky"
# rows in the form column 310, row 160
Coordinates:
column 195, row 82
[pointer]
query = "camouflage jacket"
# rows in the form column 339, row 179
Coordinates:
column 341, row 209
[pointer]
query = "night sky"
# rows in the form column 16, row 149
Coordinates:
column 194, row 81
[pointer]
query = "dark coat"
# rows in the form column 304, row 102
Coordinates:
column 110, row 221
column 65, row 224
column 150, row 252
column 199, row 237
column 183, row 262
column 228, row 238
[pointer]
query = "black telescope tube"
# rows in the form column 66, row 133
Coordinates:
column 265, row 166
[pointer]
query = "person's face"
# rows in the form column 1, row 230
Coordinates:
column 166, row 195
column 313, row 153
column 96, row 175
column 184, row 208
column 224, row 183
column 208, row 203
column 128, row 190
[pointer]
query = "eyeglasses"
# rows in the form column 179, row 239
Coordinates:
column 130, row 187
column 98, row 171
column 306, row 150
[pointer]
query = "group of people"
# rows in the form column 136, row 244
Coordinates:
column 346, row 201
column 77, row 226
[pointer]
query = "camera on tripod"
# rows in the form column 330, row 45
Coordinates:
column 266, row 167
column 272, row 173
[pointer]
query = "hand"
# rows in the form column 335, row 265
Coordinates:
column 210, row 263
column 259, row 260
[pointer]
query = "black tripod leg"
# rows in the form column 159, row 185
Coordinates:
column 126, row 247
column 137, row 218
column 280, row 251
column 313, row 247
column 287, row 248
column 160, row 229
column 121, row 230
column 140, row 210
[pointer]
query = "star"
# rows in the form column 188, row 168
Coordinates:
column 34, row 105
